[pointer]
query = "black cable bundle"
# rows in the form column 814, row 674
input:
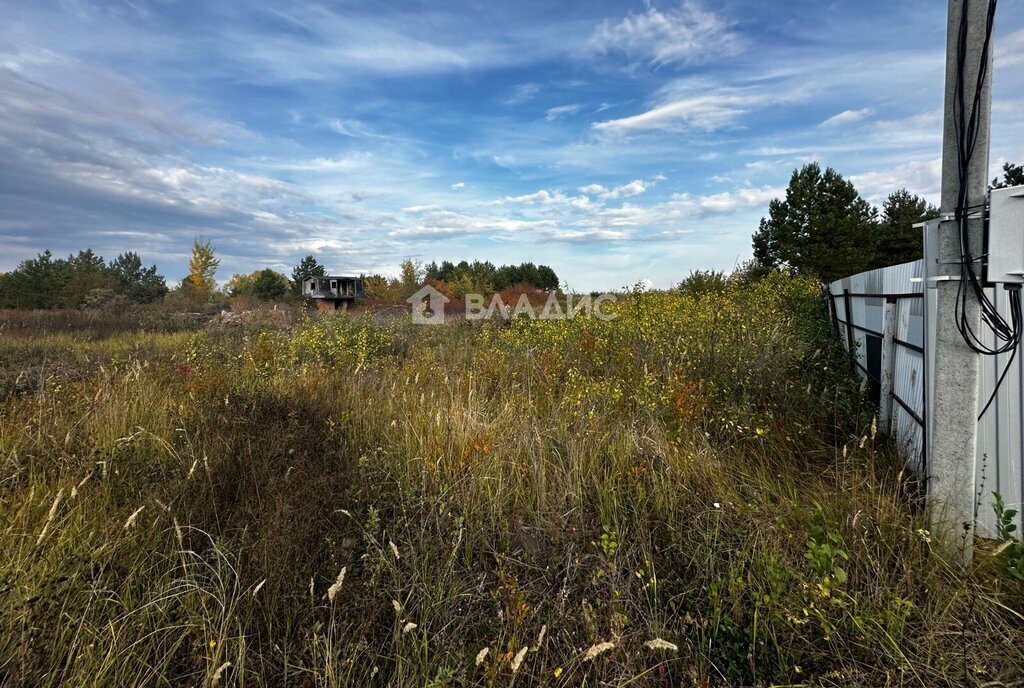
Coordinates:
column 1007, row 335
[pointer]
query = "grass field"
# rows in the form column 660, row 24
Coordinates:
column 692, row 494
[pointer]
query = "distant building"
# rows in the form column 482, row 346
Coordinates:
column 332, row 292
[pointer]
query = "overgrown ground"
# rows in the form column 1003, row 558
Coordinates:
column 689, row 495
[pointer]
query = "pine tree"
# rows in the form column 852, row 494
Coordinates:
column 307, row 267
column 1013, row 175
column 35, row 283
column 900, row 242
column 547, row 279
column 136, row 283
column 823, row 228
column 269, row 285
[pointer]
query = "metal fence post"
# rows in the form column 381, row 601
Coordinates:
column 850, row 344
column 833, row 312
column 887, row 368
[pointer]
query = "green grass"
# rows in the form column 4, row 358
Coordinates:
column 700, row 470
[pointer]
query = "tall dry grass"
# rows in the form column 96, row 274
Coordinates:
column 691, row 494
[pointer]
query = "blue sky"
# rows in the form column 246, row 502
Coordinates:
column 614, row 141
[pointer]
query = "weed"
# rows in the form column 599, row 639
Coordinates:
column 1010, row 552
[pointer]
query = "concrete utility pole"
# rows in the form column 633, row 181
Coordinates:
column 952, row 446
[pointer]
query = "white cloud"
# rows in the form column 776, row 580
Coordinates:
column 846, row 117
column 581, row 236
column 707, row 112
column 634, row 188
column 542, row 196
column 922, row 177
column 685, row 35
column 349, row 162
column 663, row 236
column 546, row 197
column 431, row 222
column 560, row 203
column 684, row 207
column 458, row 185
column 1010, row 50
column 562, row 111
column 419, row 209
column 922, row 129
column 731, row 201
column 552, row 215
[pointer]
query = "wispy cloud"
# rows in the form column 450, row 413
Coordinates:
column 322, row 40
column 521, row 93
column 708, row 112
column 560, row 111
column 688, row 34
column 847, row 117
column 350, row 127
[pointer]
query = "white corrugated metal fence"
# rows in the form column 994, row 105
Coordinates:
column 884, row 314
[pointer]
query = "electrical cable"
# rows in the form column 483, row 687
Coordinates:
column 999, row 383
column 1006, row 335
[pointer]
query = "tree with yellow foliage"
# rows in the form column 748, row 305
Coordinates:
column 199, row 284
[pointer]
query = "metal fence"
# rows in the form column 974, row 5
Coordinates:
column 880, row 317
column 886, row 318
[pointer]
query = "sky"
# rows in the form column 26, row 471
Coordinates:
column 614, row 141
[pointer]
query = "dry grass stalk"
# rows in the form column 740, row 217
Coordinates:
column 134, row 517
column 336, row 586
column 517, row 661
column 217, row 675
column 50, row 515
column 659, row 644
column 595, row 650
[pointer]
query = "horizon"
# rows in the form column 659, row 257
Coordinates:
column 615, row 143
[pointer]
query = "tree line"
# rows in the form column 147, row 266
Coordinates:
column 825, row 229
column 85, row 280
column 455, row 280
column 497, row 278
column 79, row 281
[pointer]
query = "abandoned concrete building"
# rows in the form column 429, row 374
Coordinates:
column 333, row 292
